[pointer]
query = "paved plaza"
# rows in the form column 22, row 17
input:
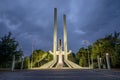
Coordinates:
column 60, row 74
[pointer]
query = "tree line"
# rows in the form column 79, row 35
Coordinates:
column 86, row 56
column 10, row 49
column 110, row 44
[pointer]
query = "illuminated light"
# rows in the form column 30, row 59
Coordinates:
column 60, row 59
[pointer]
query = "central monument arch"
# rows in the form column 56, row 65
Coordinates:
column 60, row 59
column 59, row 55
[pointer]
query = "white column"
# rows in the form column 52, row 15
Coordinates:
column 65, row 37
column 55, row 33
column 108, row 61
column 13, row 63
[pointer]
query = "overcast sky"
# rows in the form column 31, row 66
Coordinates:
column 31, row 21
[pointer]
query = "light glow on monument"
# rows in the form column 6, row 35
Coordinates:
column 60, row 57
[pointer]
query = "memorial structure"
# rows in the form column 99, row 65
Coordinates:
column 60, row 59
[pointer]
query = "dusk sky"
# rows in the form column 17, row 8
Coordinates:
column 31, row 21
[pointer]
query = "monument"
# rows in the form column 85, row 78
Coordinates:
column 59, row 54
column 60, row 58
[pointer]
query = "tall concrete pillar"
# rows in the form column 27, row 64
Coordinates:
column 55, row 33
column 65, row 37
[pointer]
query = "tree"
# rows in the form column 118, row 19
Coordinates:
column 26, row 63
column 8, row 48
column 109, row 44
column 117, row 55
column 82, row 57
column 40, row 57
column 72, row 57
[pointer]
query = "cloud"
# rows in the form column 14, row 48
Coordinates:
column 33, row 20
column 79, row 31
column 9, row 24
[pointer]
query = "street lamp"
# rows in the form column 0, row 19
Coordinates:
column 32, row 53
column 98, row 57
column 22, row 59
column 31, row 60
column 87, row 43
column 101, row 56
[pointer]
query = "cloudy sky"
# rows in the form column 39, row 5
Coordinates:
column 31, row 21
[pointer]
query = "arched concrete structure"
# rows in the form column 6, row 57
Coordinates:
column 60, row 59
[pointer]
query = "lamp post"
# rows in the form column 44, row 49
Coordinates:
column 92, row 62
column 31, row 59
column 88, row 59
column 22, row 59
column 98, row 62
column 32, row 53
column 101, row 56
column 87, row 42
